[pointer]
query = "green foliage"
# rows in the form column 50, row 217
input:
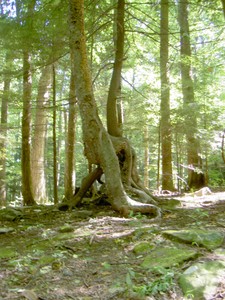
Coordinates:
column 49, row 41
column 163, row 282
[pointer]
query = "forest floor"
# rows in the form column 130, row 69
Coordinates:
column 93, row 253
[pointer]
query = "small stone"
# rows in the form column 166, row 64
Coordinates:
column 6, row 229
column 67, row 272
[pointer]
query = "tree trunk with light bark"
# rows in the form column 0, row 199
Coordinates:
column 196, row 178
column 39, row 136
column 3, row 133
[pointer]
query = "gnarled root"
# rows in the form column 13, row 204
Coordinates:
column 85, row 185
column 128, row 205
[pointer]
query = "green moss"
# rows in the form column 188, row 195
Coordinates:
column 7, row 252
column 167, row 257
column 142, row 247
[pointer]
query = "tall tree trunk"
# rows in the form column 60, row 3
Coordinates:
column 28, row 198
column 195, row 176
column 3, row 133
column 54, row 139
column 26, row 136
column 166, row 144
column 39, row 136
column 98, row 146
column 69, row 177
column 113, row 119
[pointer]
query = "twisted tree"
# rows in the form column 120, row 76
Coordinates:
column 112, row 155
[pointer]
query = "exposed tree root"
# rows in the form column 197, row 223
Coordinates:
column 128, row 166
column 127, row 206
column 142, row 201
column 85, row 185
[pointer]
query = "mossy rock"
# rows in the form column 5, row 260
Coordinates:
column 66, row 228
column 142, row 247
column 169, row 203
column 146, row 232
column 207, row 238
column 40, row 244
column 46, row 260
column 10, row 214
column 200, row 281
column 63, row 236
column 167, row 257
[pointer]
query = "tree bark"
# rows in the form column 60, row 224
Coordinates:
column 165, row 125
column 3, row 133
column 26, row 115
column 26, row 132
column 195, row 175
column 54, row 138
column 146, row 155
column 98, row 146
column 69, row 177
column 39, row 136
column 113, row 122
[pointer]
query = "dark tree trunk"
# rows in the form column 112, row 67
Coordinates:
column 28, row 198
column 26, row 133
column 69, row 180
column 165, row 125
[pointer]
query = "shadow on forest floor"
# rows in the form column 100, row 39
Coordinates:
column 93, row 253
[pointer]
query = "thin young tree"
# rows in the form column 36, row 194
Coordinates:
column 113, row 122
column 3, row 131
column 69, row 177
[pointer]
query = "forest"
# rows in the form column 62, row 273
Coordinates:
column 157, row 76
column 112, row 155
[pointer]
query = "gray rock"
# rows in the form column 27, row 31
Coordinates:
column 6, row 229
column 200, row 281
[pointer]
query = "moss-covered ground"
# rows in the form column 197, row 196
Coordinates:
column 94, row 253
